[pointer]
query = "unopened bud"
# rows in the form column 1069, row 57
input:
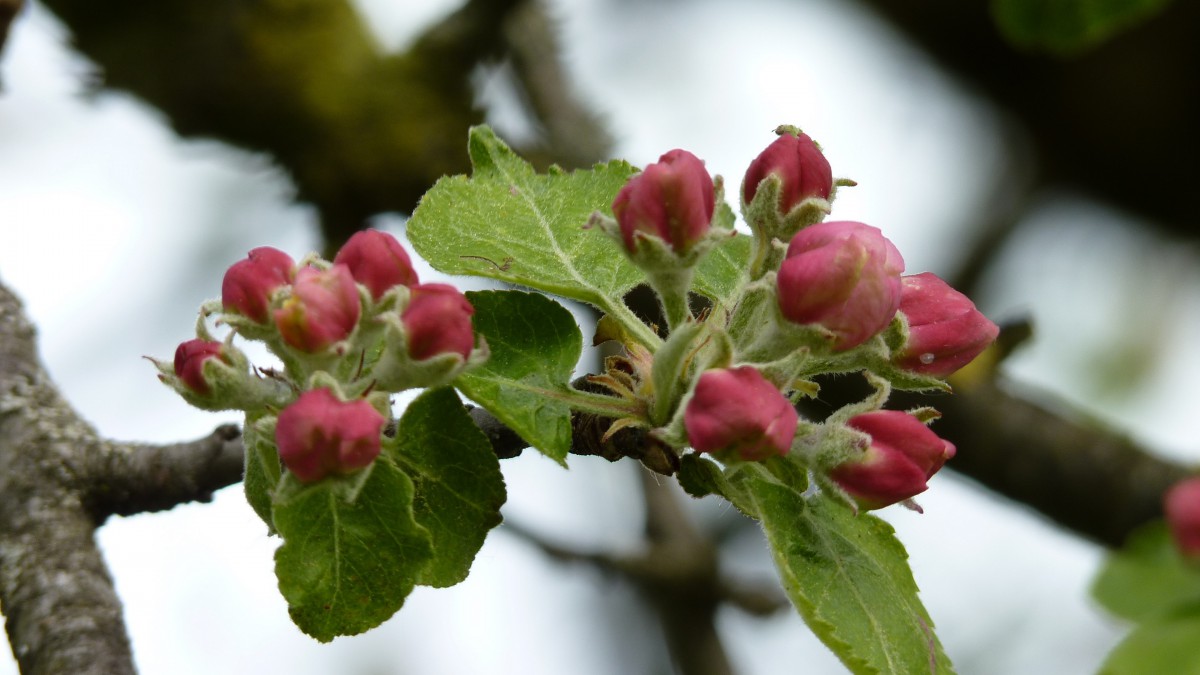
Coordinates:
column 378, row 261
column 249, row 283
column 190, row 357
column 323, row 309
column 671, row 199
column 319, row 435
column 438, row 321
column 844, row 276
column 897, row 465
column 1182, row 507
column 945, row 331
column 802, row 170
column 738, row 409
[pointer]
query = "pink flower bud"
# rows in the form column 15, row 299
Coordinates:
column 903, row 455
column 248, row 284
column 377, row 261
column 323, row 309
column 438, row 321
column 1182, row 507
column 738, row 409
column 318, row 435
column 189, row 362
column 945, row 331
column 671, row 199
column 803, row 171
column 844, row 276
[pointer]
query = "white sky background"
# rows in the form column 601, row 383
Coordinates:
column 113, row 231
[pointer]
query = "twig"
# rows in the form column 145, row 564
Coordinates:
column 123, row 479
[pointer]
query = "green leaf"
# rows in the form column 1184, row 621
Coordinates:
column 351, row 551
column 1068, row 26
column 1161, row 646
column 510, row 223
column 849, row 578
column 1147, row 577
column 459, row 487
column 700, row 476
column 722, row 272
column 535, row 344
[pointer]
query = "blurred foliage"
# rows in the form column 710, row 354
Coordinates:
column 1068, row 26
column 1149, row 583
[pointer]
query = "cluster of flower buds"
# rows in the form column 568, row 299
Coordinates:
column 348, row 333
column 817, row 297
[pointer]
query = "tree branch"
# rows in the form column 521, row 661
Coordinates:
column 1073, row 470
column 123, row 479
column 8, row 11
column 62, row 614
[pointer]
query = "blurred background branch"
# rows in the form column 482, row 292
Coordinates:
column 360, row 131
column 8, row 12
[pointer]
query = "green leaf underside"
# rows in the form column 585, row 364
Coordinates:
column 1148, row 577
column 510, row 223
column 256, row 480
column 459, row 487
column 847, row 575
column 1068, row 26
column 1165, row 645
column 535, row 344
column 346, row 567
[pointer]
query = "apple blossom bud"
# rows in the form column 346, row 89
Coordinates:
column 1182, row 507
column 377, row 261
column 945, row 331
column 671, row 199
column 248, row 284
column 189, row 362
column 803, row 171
column 738, row 409
column 438, row 321
column 844, row 276
column 318, row 435
column 324, row 308
column 903, row 455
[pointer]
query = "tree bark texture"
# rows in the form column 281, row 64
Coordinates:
column 62, row 614
column 58, row 481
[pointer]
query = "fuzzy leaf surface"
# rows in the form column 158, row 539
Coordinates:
column 849, row 578
column 722, row 272
column 459, row 487
column 351, row 551
column 847, row 575
column 509, row 222
column 535, row 344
